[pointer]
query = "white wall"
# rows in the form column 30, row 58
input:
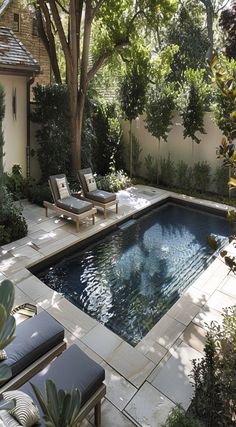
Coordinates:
column 15, row 130
column 178, row 147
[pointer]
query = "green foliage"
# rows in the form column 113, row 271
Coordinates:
column 37, row 192
column 223, row 74
column 114, row 181
column 15, row 183
column 54, row 136
column 159, row 110
column 134, row 87
column 183, row 175
column 201, row 176
column 60, row 409
column 167, row 171
column 228, row 25
column 192, row 41
column 214, row 401
column 7, row 323
column 179, row 418
column 12, row 224
column 220, row 179
column 192, row 101
column 107, row 143
column 151, row 168
column 136, row 151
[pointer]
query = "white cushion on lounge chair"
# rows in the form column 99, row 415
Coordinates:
column 25, row 411
column 62, row 188
column 90, row 181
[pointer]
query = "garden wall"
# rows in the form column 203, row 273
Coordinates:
column 177, row 147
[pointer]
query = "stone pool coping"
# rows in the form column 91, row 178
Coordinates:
column 145, row 382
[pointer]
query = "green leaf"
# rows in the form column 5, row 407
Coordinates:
column 5, row 372
column 7, row 295
column 212, row 242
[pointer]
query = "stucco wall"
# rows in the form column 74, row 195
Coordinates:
column 178, row 147
column 15, row 130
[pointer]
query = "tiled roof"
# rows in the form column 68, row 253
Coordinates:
column 4, row 5
column 14, row 55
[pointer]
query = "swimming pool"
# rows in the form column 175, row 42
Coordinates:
column 130, row 278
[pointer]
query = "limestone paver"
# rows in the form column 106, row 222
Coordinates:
column 184, row 310
column 119, row 390
column 130, row 363
column 220, row 300
column 19, row 275
column 165, row 332
column 149, row 407
column 56, row 246
column 112, row 417
column 77, row 322
column 71, row 339
column 194, row 336
column 102, row 341
column 153, row 351
column 206, row 316
column 173, row 379
column 38, row 292
column 197, row 296
column 229, row 286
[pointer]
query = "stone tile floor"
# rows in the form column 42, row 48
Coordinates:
column 143, row 383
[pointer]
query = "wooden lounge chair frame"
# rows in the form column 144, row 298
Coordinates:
column 75, row 217
column 34, row 368
column 41, row 363
column 82, row 196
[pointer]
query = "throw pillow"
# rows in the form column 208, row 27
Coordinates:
column 26, row 411
column 62, row 188
column 8, row 420
column 3, row 355
column 90, row 181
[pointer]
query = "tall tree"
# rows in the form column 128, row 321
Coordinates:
column 119, row 23
column 228, row 25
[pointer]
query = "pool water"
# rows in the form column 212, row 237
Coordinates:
column 130, row 278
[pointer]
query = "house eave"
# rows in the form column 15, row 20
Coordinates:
column 19, row 70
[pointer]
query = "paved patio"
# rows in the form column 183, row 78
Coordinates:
column 143, row 383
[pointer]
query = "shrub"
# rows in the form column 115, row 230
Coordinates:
column 221, row 178
column 12, row 224
column 201, row 176
column 179, row 418
column 15, row 183
column 114, row 181
column 151, row 167
column 53, row 135
column 167, row 171
column 214, row 401
column 183, row 175
column 37, row 192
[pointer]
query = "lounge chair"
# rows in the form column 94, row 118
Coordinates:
column 100, row 198
column 37, row 341
column 65, row 204
column 73, row 369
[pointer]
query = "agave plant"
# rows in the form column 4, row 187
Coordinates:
column 60, row 409
column 7, row 323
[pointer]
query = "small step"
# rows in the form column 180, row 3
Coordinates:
column 127, row 224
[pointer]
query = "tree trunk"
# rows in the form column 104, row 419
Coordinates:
column 158, row 159
column 209, row 13
column 83, row 84
column 130, row 150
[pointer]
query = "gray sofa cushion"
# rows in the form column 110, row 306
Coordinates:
column 34, row 337
column 74, row 205
column 101, row 196
column 72, row 369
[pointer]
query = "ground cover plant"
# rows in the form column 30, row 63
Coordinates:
column 12, row 224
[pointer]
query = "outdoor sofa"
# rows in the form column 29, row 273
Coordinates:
column 73, row 369
column 65, row 204
column 100, row 198
column 37, row 341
